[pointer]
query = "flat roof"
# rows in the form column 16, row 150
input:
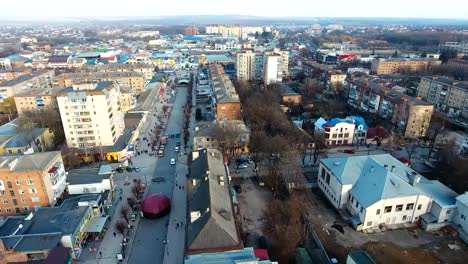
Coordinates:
column 86, row 176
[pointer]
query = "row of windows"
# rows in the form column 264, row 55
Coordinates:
column 18, row 183
column 17, row 210
column 23, row 200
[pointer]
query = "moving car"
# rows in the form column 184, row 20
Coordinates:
column 129, row 169
column 136, row 169
column 160, row 153
column 157, row 179
column 177, row 143
column 172, row 161
column 176, row 149
column 119, row 170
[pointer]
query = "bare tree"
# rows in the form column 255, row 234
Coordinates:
column 436, row 130
column 319, row 145
column 124, row 213
column 27, row 128
column 229, row 137
column 310, row 87
column 121, row 227
column 131, row 203
column 70, row 158
column 411, row 146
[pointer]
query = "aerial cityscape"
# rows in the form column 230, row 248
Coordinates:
column 249, row 133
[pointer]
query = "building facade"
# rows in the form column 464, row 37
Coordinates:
column 91, row 114
column 336, row 131
column 38, row 79
column 379, row 190
column 245, row 66
column 228, row 106
column 446, row 94
column 401, row 65
column 30, row 181
column 191, row 31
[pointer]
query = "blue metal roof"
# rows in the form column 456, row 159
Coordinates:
column 193, row 38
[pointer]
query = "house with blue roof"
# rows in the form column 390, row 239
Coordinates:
column 339, row 131
column 379, row 190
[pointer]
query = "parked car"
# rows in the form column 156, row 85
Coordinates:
column 349, row 151
column 177, row 143
column 119, row 170
column 136, row 169
column 172, row 161
column 157, row 179
column 242, row 166
column 129, row 169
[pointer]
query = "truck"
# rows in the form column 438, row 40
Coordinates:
column 163, row 140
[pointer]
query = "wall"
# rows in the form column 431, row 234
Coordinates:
column 462, row 212
column 228, row 111
column 93, row 188
column 333, row 189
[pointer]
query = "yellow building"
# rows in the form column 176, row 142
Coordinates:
column 401, row 65
column 36, row 100
column 16, row 140
column 127, row 99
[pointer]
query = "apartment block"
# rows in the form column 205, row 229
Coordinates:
column 379, row 190
column 91, row 114
column 135, row 80
column 36, row 100
column 458, row 47
column 448, row 95
column 146, row 69
column 127, row 99
column 246, row 66
column 228, row 106
column 269, row 67
column 31, row 181
column 37, row 79
column 191, row 31
column 408, row 115
column 399, row 65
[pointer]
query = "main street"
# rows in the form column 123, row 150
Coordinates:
column 149, row 244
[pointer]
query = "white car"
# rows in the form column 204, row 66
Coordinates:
column 176, row 149
column 172, row 161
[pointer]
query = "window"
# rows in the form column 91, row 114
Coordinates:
column 388, row 209
column 5, row 201
column 399, row 208
column 462, row 216
column 21, row 191
column 33, row 190
column 29, row 182
column 404, row 218
column 448, row 211
column 12, row 193
column 15, row 202
column 2, row 193
column 328, row 179
column 369, row 223
column 26, row 208
column 9, row 184
column 35, row 199
column 18, row 182
column 357, row 204
column 378, row 211
column 410, row 206
column 362, row 209
column 8, row 210
column 24, row 200
column 323, row 173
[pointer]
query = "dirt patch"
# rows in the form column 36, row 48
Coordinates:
column 389, row 253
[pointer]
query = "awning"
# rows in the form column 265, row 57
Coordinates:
column 96, row 224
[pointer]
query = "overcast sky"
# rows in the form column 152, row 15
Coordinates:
column 309, row 8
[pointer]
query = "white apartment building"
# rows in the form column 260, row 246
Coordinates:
column 337, row 131
column 91, row 114
column 461, row 219
column 379, row 190
column 271, row 69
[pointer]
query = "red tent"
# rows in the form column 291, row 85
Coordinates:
column 261, row 254
column 155, row 206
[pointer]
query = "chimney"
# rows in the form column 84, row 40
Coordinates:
column 393, row 168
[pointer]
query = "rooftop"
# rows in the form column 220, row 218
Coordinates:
column 31, row 243
column 86, row 176
column 246, row 255
column 26, row 78
column 387, row 177
column 28, row 163
column 215, row 228
column 100, row 86
column 98, row 75
column 222, row 85
column 447, row 81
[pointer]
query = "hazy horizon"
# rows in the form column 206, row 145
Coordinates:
column 105, row 9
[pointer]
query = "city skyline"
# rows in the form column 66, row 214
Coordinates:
column 55, row 9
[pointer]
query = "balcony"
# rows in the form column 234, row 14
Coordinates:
column 57, row 179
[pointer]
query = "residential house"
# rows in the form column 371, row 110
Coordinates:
column 207, row 133
column 31, row 181
column 289, row 96
column 37, row 79
column 379, row 190
column 336, row 131
column 36, row 99
column 14, row 139
column 58, row 61
column 212, row 227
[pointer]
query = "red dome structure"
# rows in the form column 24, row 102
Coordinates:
column 155, row 206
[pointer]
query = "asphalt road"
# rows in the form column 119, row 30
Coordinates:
column 148, row 245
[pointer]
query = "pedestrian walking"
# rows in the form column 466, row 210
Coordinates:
column 115, row 234
column 100, row 254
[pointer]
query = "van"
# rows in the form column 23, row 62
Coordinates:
column 160, row 153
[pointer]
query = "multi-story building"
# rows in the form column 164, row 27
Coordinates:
column 191, row 31
column 36, row 100
column 401, row 65
column 5, row 64
column 461, row 219
column 458, row 47
column 271, row 69
column 206, row 135
column 37, row 79
column 127, row 99
column 91, row 114
column 146, row 69
column 380, row 190
column 228, row 106
column 334, row 80
column 409, row 116
column 30, row 181
column 134, row 80
column 336, row 131
column 446, row 94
